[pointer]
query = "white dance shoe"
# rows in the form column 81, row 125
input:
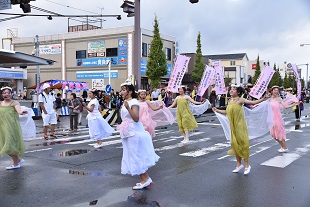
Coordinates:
column 140, row 186
column 283, row 150
column 237, row 169
column 247, row 170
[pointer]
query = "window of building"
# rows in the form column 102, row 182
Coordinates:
column 168, row 53
column 149, row 49
column 144, row 50
column 111, row 52
column 232, row 62
column 80, row 54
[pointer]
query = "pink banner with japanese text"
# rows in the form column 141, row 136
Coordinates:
column 219, row 78
column 262, row 83
column 205, row 82
column 179, row 70
column 298, row 79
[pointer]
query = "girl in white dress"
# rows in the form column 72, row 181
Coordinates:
column 138, row 150
column 98, row 126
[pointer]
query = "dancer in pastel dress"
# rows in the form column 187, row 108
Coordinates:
column 138, row 150
column 11, row 140
column 98, row 126
column 185, row 118
column 144, row 115
column 239, row 132
column 278, row 130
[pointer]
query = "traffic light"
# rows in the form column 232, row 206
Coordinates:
column 25, row 7
column 23, row 4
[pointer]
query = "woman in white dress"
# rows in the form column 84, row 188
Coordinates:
column 138, row 150
column 98, row 126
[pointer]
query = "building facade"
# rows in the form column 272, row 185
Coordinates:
column 86, row 56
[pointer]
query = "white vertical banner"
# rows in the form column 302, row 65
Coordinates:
column 179, row 69
column 219, row 78
column 206, row 79
column 262, row 82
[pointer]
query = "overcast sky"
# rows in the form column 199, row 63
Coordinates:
column 274, row 29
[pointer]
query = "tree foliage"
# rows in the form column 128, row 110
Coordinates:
column 257, row 71
column 157, row 63
column 287, row 82
column 276, row 78
column 199, row 65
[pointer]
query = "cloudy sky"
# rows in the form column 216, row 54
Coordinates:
column 274, row 29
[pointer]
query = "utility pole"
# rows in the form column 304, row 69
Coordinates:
column 101, row 8
column 137, row 46
column 37, row 53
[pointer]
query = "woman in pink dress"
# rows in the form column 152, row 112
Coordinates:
column 278, row 130
column 144, row 115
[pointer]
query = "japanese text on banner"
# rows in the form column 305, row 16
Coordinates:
column 179, row 69
column 298, row 80
column 219, row 78
column 205, row 82
column 262, row 83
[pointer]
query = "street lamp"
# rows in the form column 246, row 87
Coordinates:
column 133, row 9
column 301, row 45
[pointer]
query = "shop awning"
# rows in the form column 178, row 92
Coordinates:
column 10, row 58
column 64, row 84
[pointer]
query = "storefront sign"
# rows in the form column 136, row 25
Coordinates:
column 179, row 69
column 94, row 47
column 122, row 51
column 98, row 61
column 143, row 68
column 11, row 75
column 96, row 74
column 262, row 83
column 50, row 49
column 5, row 4
column 98, row 84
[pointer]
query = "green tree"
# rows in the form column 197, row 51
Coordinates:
column 199, row 65
column 227, row 81
column 157, row 63
column 257, row 71
column 287, row 82
column 276, row 78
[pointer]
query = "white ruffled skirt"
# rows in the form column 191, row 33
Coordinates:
column 99, row 128
column 138, row 154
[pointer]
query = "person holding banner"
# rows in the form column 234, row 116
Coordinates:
column 239, row 137
column 185, row 118
column 278, row 130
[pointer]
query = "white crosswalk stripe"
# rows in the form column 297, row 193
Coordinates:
column 285, row 159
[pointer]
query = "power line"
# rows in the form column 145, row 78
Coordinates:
column 71, row 7
column 67, row 6
column 10, row 18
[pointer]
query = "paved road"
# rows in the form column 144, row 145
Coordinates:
column 68, row 171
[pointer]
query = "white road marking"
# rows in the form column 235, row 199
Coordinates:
column 39, row 150
column 206, row 150
column 181, row 144
column 210, row 124
column 285, row 159
column 169, row 140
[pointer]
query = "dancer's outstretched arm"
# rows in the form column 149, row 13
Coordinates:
column 218, row 110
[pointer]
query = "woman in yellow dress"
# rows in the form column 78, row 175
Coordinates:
column 185, row 118
column 239, row 132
